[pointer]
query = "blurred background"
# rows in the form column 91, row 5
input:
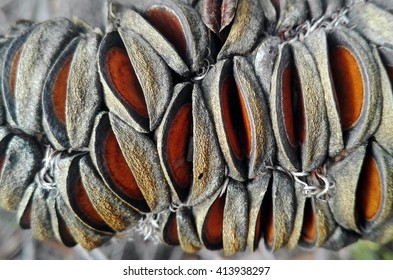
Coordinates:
column 19, row 244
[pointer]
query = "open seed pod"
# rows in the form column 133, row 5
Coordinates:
column 265, row 57
column 128, row 163
column 372, row 22
column 182, row 26
column 20, row 164
column 187, row 232
column 73, row 192
column 217, row 14
column 9, row 73
column 60, row 229
column 117, row 214
column 291, row 13
column 137, row 83
column 72, row 94
column 241, row 117
column 298, row 112
column 168, row 228
column 278, row 211
column 23, row 213
column 84, row 235
column 42, row 47
column 40, row 215
column 222, row 222
column 256, row 192
column 345, row 173
column 340, row 238
column 188, row 147
column 317, row 44
column 384, row 133
column 245, row 30
column 356, row 82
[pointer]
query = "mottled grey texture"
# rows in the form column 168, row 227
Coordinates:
column 292, row 13
column 186, row 228
column 332, row 6
column 40, row 216
column 315, row 8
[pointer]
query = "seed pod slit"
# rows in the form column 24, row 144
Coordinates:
column 170, row 233
column 212, row 235
column 309, row 230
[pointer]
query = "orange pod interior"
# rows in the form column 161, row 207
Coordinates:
column 213, row 225
column 169, row 25
column 348, row 85
column 171, row 235
column 309, row 228
column 125, row 80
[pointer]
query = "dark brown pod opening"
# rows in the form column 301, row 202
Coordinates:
column 348, row 84
column 309, row 228
column 258, row 230
column 368, row 192
column 169, row 25
column 25, row 219
column 170, row 231
column 236, row 121
column 389, row 69
column 267, row 221
column 213, row 225
column 276, row 4
column 65, row 233
column 120, row 75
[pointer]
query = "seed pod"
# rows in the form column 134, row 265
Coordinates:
column 9, row 74
column 21, row 162
column 304, row 219
column 23, row 213
column 235, row 224
column 245, row 30
column 372, row 22
column 292, row 13
column 217, row 15
column 384, row 133
column 209, row 218
column 332, row 6
column 265, row 57
column 59, row 227
column 40, row 217
column 317, row 44
column 188, row 148
column 271, row 14
column 187, row 232
column 134, row 21
column 72, row 94
column 340, row 239
column 129, row 164
column 117, row 214
column 325, row 222
column 168, row 228
column 41, row 49
column 316, row 8
column 73, row 193
column 256, row 192
column 87, row 237
column 298, row 112
column 279, row 211
column 246, row 142
column 345, row 174
column 140, row 96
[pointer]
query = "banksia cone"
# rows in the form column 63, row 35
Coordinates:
column 209, row 123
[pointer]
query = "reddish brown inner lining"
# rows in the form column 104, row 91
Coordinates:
column 125, row 80
column 214, row 221
column 177, row 145
column 13, row 71
column 309, row 229
column 348, row 84
column 236, row 122
column 258, row 229
column 369, row 192
column 59, row 91
column 118, row 168
column 172, row 230
column 168, row 24
column 85, row 205
column 292, row 97
column 65, row 232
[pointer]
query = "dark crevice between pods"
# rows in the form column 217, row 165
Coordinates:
column 212, row 230
column 267, row 216
column 65, row 233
